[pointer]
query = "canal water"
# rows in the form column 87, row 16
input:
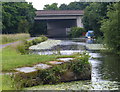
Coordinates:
column 105, row 68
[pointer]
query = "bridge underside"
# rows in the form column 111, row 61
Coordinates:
column 60, row 22
column 60, row 28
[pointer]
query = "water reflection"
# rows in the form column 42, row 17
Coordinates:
column 89, row 41
column 110, row 68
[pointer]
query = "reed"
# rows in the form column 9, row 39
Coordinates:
column 6, row 38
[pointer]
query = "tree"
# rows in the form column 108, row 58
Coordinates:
column 74, row 6
column 70, row 6
column 111, row 28
column 77, row 5
column 23, row 26
column 63, row 7
column 51, row 7
column 93, row 15
column 15, row 13
column 39, row 28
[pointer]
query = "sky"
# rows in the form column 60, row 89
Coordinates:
column 39, row 4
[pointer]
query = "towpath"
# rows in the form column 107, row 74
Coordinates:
column 5, row 45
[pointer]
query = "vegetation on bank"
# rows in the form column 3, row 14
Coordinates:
column 11, row 59
column 7, row 38
column 103, row 18
column 23, row 48
column 7, row 83
column 76, row 32
column 111, row 28
column 78, row 69
column 11, row 56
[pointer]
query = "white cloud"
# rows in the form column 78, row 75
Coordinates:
column 39, row 4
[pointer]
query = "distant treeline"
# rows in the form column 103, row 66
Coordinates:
column 70, row 6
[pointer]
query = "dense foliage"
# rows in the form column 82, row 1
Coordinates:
column 93, row 15
column 76, row 32
column 74, row 6
column 51, row 7
column 17, row 17
column 70, row 6
column 39, row 28
column 111, row 28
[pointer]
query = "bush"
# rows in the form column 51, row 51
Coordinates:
column 44, row 38
column 39, row 39
column 76, row 32
column 23, row 48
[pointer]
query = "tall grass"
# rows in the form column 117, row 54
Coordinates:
column 6, row 38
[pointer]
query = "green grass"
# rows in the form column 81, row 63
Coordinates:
column 11, row 59
column 7, row 83
column 7, row 38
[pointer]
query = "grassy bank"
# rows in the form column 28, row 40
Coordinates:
column 12, row 59
column 7, row 38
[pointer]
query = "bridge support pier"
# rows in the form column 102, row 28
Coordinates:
column 79, row 22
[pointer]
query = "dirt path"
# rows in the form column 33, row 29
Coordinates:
column 5, row 45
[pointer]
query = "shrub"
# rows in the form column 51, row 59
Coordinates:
column 43, row 37
column 24, row 48
column 39, row 39
column 76, row 32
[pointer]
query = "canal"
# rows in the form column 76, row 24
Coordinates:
column 105, row 68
